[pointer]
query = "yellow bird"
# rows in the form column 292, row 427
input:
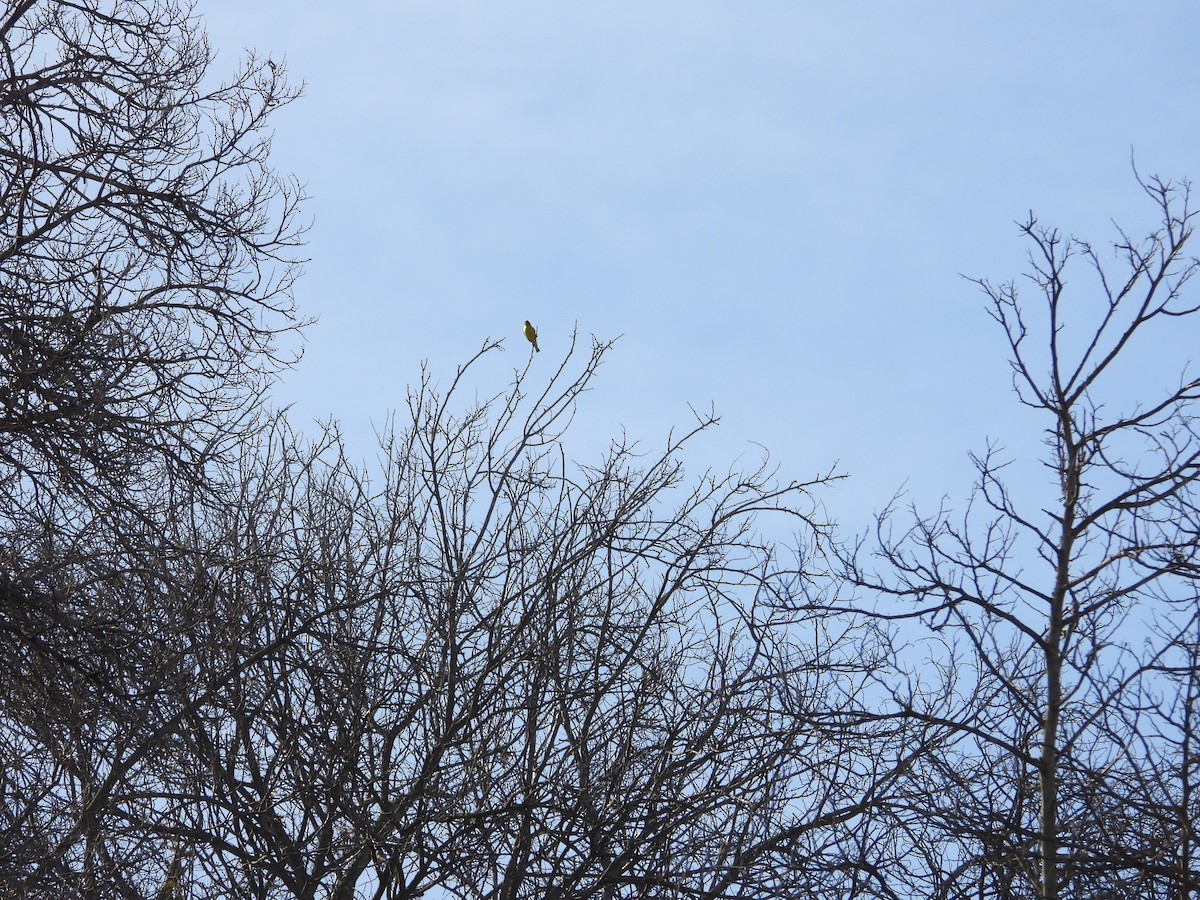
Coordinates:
column 531, row 335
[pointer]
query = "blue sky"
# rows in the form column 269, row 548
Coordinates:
column 771, row 201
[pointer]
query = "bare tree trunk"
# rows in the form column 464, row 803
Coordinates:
column 1048, row 781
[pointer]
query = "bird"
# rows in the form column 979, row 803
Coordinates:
column 531, row 335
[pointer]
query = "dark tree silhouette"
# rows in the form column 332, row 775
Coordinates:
column 500, row 674
column 145, row 246
column 1049, row 619
column 146, row 263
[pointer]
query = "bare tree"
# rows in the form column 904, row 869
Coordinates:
column 145, row 246
column 493, row 672
column 146, row 263
column 1038, row 610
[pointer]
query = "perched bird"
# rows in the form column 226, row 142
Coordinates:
column 531, row 335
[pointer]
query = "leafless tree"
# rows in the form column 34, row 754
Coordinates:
column 145, row 246
column 500, row 674
column 1046, row 617
column 146, row 263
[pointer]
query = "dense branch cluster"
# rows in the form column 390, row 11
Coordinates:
column 145, row 245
